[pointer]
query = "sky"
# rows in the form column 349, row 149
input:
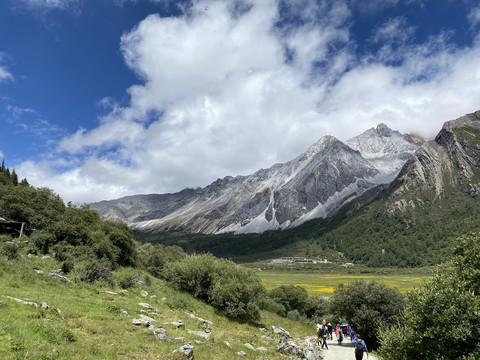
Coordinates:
column 101, row 99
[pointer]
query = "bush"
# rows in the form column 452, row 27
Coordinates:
column 155, row 257
column 442, row 319
column 10, row 250
column 368, row 307
column 316, row 306
column 293, row 315
column 235, row 290
column 89, row 270
column 271, row 305
column 127, row 277
column 42, row 240
column 292, row 297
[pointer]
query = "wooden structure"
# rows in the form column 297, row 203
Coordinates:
column 12, row 228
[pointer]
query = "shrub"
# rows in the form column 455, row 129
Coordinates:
column 42, row 240
column 271, row 305
column 293, row 315
column 10, row 250
column 316, row 306
column 442, row 319
column 292, row 297
column 126, row 277
column 368, row 307
column 155, row 257
column 235, row 290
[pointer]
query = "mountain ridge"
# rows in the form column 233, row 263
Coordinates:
column 314, row 184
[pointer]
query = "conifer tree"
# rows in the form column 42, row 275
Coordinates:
column 14, row 177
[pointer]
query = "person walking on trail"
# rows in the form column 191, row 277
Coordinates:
column 339, row 333
column 360, row 348
column 330, row 331
column 324, row 334
column 319, row 334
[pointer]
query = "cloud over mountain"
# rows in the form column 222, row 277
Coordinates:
column 228, row 87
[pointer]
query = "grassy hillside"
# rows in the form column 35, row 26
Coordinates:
column 92, row 326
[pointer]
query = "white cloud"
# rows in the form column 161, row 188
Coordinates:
column 49, row 4
column 220, row 96
column 474, row 16
column 5, row 75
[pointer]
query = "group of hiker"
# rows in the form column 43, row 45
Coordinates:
column 325, row 332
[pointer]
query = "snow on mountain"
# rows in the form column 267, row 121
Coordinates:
column 386, row 149
column 315, row 184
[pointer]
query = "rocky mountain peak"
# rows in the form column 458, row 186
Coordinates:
column 384, row 131
column 315, row 184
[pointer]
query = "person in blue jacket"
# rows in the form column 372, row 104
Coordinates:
column 360, row 348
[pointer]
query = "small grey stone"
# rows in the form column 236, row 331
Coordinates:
column 249, row 346
column 110, row 292
column 202, row 334
column 146, row 306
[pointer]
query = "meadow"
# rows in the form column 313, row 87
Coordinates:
column 324, row 284
column 90, row 324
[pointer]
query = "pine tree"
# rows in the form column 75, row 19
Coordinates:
column 14, row 177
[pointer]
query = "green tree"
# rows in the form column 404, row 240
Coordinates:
column 368, row 307
column 442, row 319
column 235, row 290
column 155, row 257
column 292, row 297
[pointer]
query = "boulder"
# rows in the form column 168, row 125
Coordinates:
column 178, row 324
column 201, row 334
column 187, row 350
column 281, row 331
column 59, row 277
column 163, row 335
column 146, row 306
column 144, row 320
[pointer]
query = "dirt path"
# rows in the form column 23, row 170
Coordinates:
column 344, row 352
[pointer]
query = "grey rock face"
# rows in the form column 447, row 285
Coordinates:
column 315, row 184
column 447, row 158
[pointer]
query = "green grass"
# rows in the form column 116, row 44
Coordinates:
column 324, row 284
column 92, row 326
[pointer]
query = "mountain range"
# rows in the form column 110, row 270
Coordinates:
column 313, row 185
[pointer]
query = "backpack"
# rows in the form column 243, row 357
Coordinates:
column 320, row 332
column 359, row 348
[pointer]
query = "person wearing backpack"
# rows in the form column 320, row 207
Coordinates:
column 324, row 331
column 360, row 348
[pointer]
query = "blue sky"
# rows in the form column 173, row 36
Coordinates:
column 105, row 98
